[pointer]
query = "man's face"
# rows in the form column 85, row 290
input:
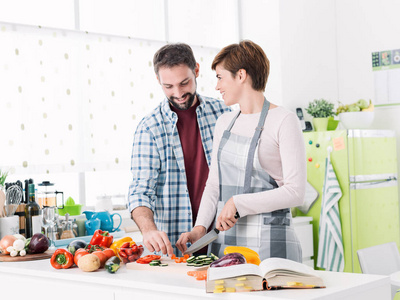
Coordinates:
column 179, row 85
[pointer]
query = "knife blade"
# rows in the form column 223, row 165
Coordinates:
column 202, row 242
column 205, row 240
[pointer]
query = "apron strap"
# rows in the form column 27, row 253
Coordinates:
column 253, row 146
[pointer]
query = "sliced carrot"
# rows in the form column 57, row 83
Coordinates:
column 186, row 256
column 201, row 277
column 173, row 256
column 191, row 273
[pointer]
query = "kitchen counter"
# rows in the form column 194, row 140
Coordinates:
column 38, row 280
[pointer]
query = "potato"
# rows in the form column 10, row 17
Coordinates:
column 89, row 263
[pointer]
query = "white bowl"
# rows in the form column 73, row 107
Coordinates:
column 356, row 120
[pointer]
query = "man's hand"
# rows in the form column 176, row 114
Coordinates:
column 153, row 239
column 226, row 218
column 190, row 237
column 156, row 240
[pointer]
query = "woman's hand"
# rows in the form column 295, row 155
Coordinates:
column 190, row 237
column 226, row 218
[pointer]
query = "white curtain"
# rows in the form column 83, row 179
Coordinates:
column 70, row 101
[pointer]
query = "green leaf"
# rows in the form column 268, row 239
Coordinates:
column 320, row 108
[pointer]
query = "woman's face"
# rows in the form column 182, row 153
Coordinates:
column 227, row 85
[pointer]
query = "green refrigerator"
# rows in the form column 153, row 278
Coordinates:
column 365, row 163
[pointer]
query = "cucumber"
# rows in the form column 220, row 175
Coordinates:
column 163, row 265
column 201, row 256
column 191, row 259
column 213, row 256
column 198, row 264
column 154, row 263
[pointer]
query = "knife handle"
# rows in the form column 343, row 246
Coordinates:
column 237, row 216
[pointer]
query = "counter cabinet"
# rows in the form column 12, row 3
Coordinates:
column 37, row 279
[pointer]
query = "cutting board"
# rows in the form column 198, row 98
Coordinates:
column 172, row 267
column 8, row 258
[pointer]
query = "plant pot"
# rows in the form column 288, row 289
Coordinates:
column 320, row 124
column 332, row 123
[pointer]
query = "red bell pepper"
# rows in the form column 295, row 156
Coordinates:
column 62, row 259
column 102, row 238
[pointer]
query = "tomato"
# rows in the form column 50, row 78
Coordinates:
column 147, row 259
column 109, row 252
column 103, row 258
column 79, row 253
column 125, row 245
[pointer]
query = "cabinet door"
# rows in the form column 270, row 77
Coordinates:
column 374, row 217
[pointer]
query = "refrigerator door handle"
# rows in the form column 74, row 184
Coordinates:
column 373, row 177
column 374, row 184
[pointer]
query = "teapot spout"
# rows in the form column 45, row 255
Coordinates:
column 88, row 214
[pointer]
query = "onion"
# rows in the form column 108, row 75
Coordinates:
column 6, row 242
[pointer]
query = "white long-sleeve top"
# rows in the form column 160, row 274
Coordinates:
column 281, row 153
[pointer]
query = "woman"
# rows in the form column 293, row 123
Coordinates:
column 258, row 166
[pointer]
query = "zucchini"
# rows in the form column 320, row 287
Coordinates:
column 163, row 265
column 213, row 256
column 201, row 256
column 154, row 263
column 112, row 264
column 191, row 259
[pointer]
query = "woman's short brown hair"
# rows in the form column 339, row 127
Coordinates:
column 246, row 55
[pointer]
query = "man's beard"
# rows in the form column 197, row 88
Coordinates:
column 183, row 106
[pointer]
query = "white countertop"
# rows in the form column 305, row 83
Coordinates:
column 132, row 283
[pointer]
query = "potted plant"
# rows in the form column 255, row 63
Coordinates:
column 320, row 110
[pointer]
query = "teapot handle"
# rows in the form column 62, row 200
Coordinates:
column 120, row 221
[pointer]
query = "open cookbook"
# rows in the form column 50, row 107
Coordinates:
column 272, row 273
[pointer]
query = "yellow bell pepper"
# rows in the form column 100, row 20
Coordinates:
column 119, row 242
column 250, row 255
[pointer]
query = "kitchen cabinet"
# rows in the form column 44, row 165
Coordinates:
column 304, row 231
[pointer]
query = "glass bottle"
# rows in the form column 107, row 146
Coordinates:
column 31, row 209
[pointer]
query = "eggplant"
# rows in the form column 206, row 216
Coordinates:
column 75, row 245
column 229, row 260
column 38, row 244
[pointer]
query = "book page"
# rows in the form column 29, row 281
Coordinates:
column 279, row 266
column 233, row 271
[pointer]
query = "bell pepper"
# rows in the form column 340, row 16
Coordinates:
column 118, row 243
column 251, row 256
column 62, row 259
column 101, row 238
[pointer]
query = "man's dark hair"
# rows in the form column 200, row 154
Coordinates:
column 172, row 55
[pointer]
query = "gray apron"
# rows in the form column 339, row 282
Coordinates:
column 270, row 234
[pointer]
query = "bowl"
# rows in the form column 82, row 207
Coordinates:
column 356, row 120
column 130, row 253
column 73, row 210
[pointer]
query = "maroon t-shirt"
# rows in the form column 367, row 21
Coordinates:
column 195, row 161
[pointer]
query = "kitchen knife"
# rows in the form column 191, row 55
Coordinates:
column 205, row 240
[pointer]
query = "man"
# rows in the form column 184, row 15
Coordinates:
column 172, row 152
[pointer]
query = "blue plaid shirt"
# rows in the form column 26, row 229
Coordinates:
column 158, row 167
